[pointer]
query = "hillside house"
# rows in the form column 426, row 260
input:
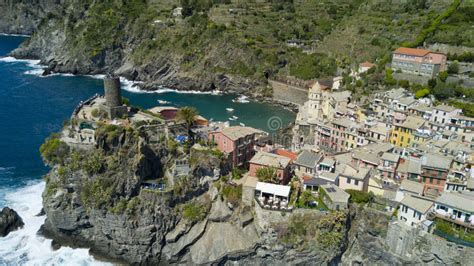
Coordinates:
column 419, row 61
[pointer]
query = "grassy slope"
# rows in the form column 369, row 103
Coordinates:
column 245, row 39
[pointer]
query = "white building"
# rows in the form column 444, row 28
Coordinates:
column 413, row 210
column 442, row 114
column 457, row 206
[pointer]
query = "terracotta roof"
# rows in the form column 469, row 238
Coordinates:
column 411, row 51
column 287, row 154
column 366, row 64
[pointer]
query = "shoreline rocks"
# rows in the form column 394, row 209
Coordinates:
column 9, row 221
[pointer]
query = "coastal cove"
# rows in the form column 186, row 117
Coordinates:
column 32, row 107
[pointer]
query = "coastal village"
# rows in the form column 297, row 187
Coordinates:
column 402, row 155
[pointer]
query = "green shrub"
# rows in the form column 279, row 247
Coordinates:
column 422, row 93
column 359, row 196
column 195, row 211
column 453, row 68
column 54, row 151
column 443, row 76
column 232, row 194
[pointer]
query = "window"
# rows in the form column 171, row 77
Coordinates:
column 356, row 182
column 348, row 180
column 431, row 180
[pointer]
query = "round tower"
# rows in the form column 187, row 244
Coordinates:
column 113, row 97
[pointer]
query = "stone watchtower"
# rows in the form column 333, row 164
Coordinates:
column 113, row 98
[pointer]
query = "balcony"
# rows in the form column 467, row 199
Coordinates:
column 450, row 218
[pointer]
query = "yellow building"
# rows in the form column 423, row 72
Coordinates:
column 403, row 135
column 351, row 140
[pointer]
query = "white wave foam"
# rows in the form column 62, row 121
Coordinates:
column 15, row 35
column 241, row 99
column 24, row 246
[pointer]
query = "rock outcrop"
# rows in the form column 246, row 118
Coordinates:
column 9, row 221
column 24, row 17
column 374, row 239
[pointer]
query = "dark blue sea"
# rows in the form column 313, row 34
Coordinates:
column 32, row 107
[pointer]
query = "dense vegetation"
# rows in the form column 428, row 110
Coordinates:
column 245, row 38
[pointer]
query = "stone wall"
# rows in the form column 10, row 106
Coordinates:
column 288, row 93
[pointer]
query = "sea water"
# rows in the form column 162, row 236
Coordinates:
column 32, row 107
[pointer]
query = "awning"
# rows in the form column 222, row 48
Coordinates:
column 277, row 190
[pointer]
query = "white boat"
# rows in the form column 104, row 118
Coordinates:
column 235, row 117
column 242, row 124
column 241, row 99
column 229, row 109
column 163, row 102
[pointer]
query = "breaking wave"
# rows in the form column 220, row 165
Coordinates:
column 25, row 246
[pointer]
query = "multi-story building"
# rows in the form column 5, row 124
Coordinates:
column 418, row 61
column 413, row 210
column 403, row 135
column 442, row 115
column 338, row 133
column 355, row 178
column 456, row 207
column 388, row 165
column 281, row 164
column 237, row 142
column 434, row 172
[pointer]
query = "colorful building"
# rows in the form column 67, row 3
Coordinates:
column 237, row 142
column 434, row 173
column 419, row 61
column 403, row 135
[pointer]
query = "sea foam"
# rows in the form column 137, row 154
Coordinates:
column 25, row 246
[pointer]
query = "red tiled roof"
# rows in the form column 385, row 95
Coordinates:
column 287, row 154
column 411, row 51
column 367, row 64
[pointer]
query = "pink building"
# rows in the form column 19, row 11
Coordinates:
column 419, row 61
column 280, row 163
column 237, row 142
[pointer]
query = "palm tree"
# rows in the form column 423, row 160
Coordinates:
column 267, row 174
column 188, row 116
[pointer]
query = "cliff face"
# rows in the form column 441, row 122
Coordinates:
column 24, row 17
column 95, row 198
column 128, row 39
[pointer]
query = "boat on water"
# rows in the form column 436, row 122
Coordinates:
column 233, row 118
column 241, row 99
column 230, row 109
column 242, row 124
column 163, row 102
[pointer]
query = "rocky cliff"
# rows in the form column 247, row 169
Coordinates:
column 24, row 17
column 100, row 197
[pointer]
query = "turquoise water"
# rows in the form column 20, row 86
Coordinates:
column 33, row 107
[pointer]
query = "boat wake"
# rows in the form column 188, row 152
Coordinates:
column 25, row 246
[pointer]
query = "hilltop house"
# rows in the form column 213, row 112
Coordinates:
column 418, row 61
column 281, row 164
